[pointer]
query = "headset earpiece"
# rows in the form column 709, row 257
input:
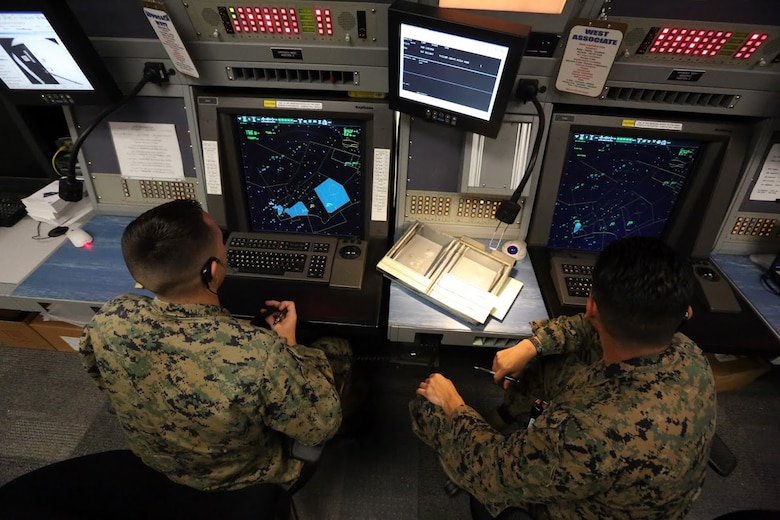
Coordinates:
column 205, row 272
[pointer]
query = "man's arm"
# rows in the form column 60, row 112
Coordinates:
column 299, row 394
column 565, row 334
column 554, row 336
column 87, row 353
column 552, row 460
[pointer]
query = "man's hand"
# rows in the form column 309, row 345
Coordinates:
column 511, row 361
column 283, row 320
column 440, row 390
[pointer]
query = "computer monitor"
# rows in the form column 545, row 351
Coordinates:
column 302, row 174
column 619, row 173
column 311, row 164
column 46, row 59
column 452, row 66
column 617, row 185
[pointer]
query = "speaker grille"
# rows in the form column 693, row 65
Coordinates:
column 771, row 47
column 634, row 37
column 211, row 17
column 278, row 75
column 347, row 20
column 671, row 97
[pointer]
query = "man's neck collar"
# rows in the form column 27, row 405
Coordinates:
column 616, row 352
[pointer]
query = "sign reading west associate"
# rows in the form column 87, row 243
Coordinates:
column 169, row 37
column 590, row 51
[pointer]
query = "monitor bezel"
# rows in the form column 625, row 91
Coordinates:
column 666, row 223
column 232, row 201
column 242, row 213
column 709, row 189
column 458, row 23
column 65, row 24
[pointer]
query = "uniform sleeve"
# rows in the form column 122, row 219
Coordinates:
column 87, row 353
column 566, row 334
column 551, row 460
column 299, row 394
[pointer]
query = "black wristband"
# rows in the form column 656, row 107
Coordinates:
column 537, row 345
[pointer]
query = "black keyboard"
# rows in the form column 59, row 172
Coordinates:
column 579, row 285
column 11, row 210
column 266, row 262
column 281, row 256
column 578, row 279
column 572, row 275
column 577, row 269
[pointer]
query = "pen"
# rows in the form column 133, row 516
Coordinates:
column 280, row 316
column 492, row 373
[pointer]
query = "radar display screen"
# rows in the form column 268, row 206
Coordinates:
column 615, row 186
column 303, row 175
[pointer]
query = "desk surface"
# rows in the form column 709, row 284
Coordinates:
column 745, row 276
column 97, row 274
column 18, row 244
column 90, row 275
column 410, row 314
column 734, row 333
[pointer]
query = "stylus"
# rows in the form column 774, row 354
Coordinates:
column 280, row 316
column 492, row 373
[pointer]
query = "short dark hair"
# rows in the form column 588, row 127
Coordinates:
column 642, row 289
column 165, row 247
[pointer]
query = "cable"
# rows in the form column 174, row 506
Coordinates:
column 769, row 285
column 508, row 210
column 63, row 148
column 534, row 151
column 72, row 189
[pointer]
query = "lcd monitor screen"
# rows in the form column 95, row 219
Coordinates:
column 35, row 57
column 451, row 66
column 453, row 73
column 614, row 186
column 303, row 175
column 45, row 57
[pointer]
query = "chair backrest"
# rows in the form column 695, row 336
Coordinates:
column 118, row 485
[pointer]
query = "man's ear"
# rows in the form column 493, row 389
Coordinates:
column 591, row 309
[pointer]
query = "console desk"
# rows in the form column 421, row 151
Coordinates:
column 42, row 272
column 93, row 275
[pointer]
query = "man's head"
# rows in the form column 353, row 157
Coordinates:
column 642, row 290
column 167, row 247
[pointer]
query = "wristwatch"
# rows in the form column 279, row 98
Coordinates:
column 537, row 345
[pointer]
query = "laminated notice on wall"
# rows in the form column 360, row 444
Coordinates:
column 147, row 150
column 767, row 186
column 591, row 48
column 167, row 34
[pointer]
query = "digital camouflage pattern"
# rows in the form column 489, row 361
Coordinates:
column 618, row 441
column 212, row 402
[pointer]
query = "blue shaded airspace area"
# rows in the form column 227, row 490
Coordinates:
column 332, row 195
column 303, row 175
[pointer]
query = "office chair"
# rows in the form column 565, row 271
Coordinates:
column 478, row 512
column 721, row 459
column 118, row 485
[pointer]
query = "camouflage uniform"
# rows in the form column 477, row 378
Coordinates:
column 212, row 402
column 624, row 440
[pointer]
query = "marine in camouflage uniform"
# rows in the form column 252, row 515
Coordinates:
column 625, row 436
column 624, row 440
column 210, row 401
